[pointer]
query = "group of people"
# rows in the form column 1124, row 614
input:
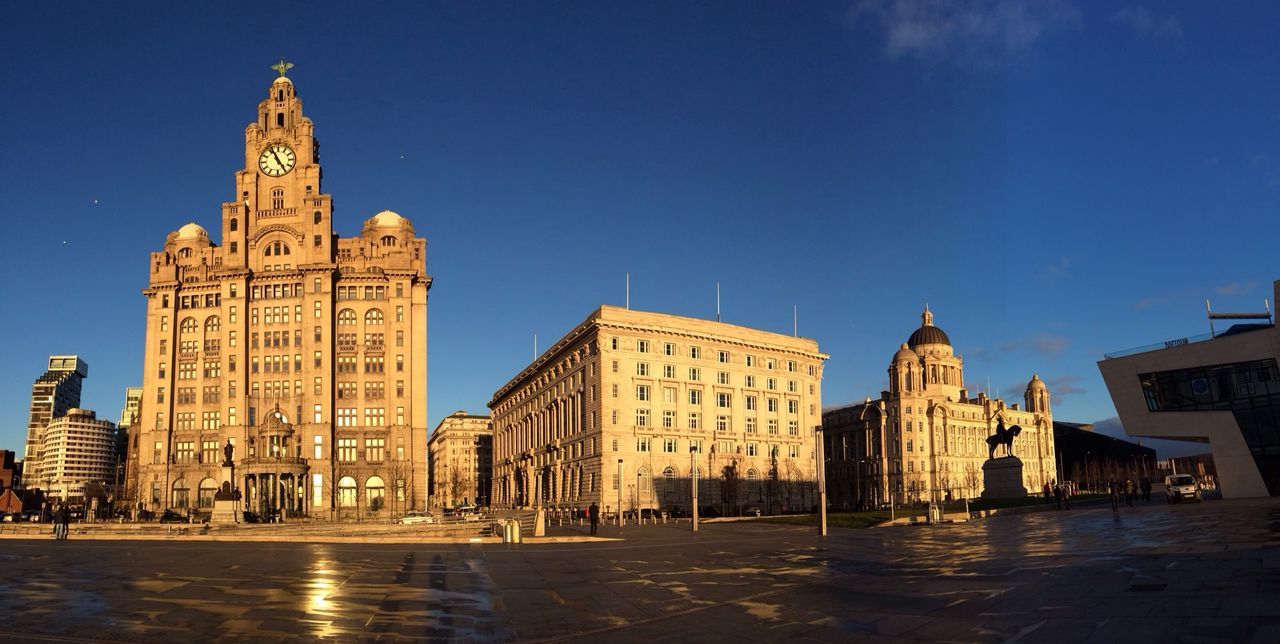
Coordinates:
column 1054, row 490
column 1129, row 491
column 61, row 522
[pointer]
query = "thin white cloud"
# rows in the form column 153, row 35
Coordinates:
column 984, row 33
column 1043, row 343
column 1236, row 288
column 1060, row 268
column 1147, row 24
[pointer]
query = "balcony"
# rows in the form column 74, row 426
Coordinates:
column 277, row 212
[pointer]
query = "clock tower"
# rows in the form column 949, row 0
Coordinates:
column 303, row 351
column 279, row 187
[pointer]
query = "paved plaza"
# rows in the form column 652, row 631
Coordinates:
column 1157, row 573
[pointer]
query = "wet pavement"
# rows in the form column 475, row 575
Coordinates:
column 1159, row 573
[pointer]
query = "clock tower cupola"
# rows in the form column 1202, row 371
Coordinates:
column 279, row 200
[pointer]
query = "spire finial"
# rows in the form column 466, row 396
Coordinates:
column 282, row 66
column 926, row 317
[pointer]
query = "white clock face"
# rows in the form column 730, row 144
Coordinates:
column 277, row 160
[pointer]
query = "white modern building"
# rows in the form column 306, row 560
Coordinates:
column 1221, row 388
column 79, row 449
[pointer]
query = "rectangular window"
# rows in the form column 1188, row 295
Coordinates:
column 793, row 428
column 751, row 425
column 793, row 407
column 723, row 356
column 722, row 377
column 158, row 455
column 669, row 445
column 695, row 419
column 668, row 349
column 771, row 383
column 668, row 419
column 793, row 451
column 791, row 386
column 751, row 403
column 374, row 449
column 642, row 392
column 773, row 405
column 374, row 416
column 723, row 400
column 695, row 397
column 317, row 415
column 346, row 417
column 642, row 443
column 770, row 364
column 694, row 373
column 669, row 395
column 773, row 426
column 642, row 368
column 751, row 449
column 695, row 353
column 642, row 346
column 642, row 417
column 347, row 450
column 722, row 423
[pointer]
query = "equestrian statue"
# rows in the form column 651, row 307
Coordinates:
column 1002, row 437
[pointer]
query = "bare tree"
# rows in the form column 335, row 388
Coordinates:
column 944, row 482
column 399, row 471
column 457, row 485
column 971, row 479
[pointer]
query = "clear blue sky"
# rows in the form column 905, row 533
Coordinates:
column 1056, row 179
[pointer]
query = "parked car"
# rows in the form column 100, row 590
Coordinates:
column 415, row 517
column 171, row 516
column 252, row 517
column 751, row 511
column 1181, row 487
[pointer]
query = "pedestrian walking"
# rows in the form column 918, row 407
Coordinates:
column 1130, row 491
column 594, row 513
column 1048, row 492
column 1146, row 489
column 61, row 522
column 1114, row 489
column 1057, row 495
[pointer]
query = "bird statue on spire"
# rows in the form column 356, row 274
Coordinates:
column 282, row 66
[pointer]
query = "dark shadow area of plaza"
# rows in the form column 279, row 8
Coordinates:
column 1157, row 573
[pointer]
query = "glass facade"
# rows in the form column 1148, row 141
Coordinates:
column 1249, row 390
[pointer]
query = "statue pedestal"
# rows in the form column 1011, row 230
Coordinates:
column 225, row 503
column 1002, row 478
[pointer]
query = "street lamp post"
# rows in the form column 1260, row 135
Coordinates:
column 693, row 477
column 822, row 481
column 619, row 493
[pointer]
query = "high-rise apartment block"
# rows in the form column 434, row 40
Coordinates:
column 618, row 411
column 304, row 351
column 55, row 392
column 79, row 449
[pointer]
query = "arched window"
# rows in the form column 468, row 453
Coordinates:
column 181, row 494
column 375, row 491
column 188, row 325
column 389, row 240
column 752, row 475
column 346, row 317
column 234, row 224
column 346, row 492
column 373, row 316
column 184, row 253
column 207, row 489
column 213, row 324
column 317, row 217
column 646, row 482
column 280, row 119
column 277, row 198
column 276, row 248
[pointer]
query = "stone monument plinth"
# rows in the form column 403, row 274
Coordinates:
column 226, row 500
column 1002, row 478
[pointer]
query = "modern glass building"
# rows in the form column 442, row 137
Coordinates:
column 1222, row 388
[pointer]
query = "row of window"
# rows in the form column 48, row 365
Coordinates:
column 722, row 377
column 695, row 352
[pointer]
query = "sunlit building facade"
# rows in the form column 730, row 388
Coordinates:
column 618, row 410
column 55, row 392
column 79, row 449
column 461, row 460
column 926, row 437
column 304, row 351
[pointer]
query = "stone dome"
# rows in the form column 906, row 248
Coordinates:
column 905, row 354
column 386, row 218
column 927, row 333
column 1036, row 383
column 193, row 231
column 283, row 80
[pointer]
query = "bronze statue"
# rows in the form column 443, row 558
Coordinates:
column 228, row 450
column 1002, row 437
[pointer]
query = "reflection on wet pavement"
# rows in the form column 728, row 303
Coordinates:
column 1155, row 573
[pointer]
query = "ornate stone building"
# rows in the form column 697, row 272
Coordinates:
column 461, row 460
column 304, row 350
column 926, row 437
column 616, row 411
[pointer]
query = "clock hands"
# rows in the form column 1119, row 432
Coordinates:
column 277, row 157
